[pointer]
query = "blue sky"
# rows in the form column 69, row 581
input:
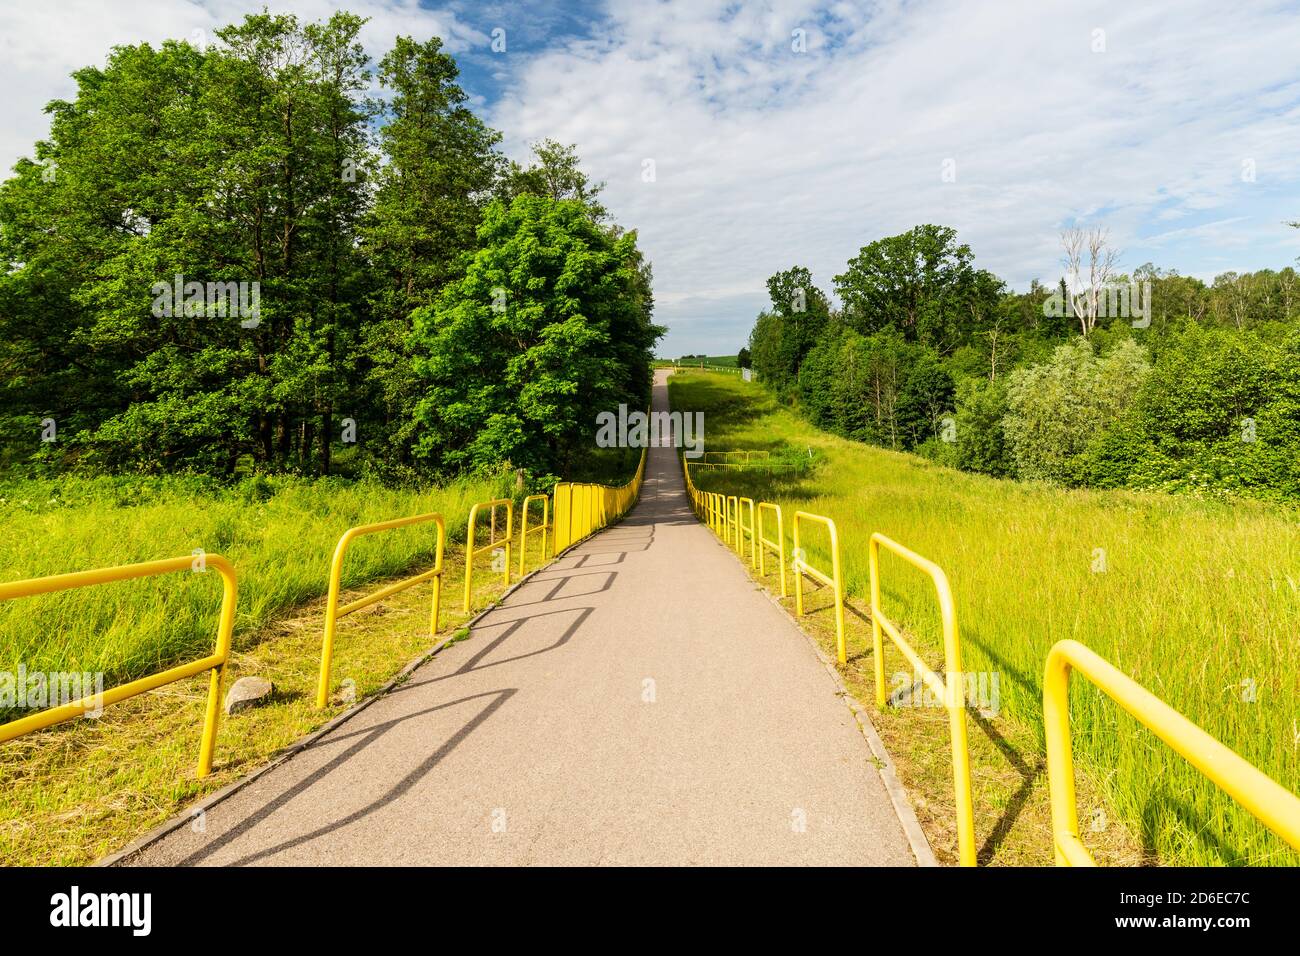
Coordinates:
column 796, row 131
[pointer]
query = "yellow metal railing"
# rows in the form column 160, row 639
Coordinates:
column 747, row 528
column 834, row 580
column 1268, row 801
column 525, row 531
column 583, row 509
column 214, row 662
column 332, row 610
column 950, row 689
column 766, row 544
column 733, row 522
column 471, row 553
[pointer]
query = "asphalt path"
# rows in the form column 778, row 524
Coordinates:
column 638, row 701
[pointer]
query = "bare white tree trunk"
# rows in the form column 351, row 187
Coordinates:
column 1088, row 248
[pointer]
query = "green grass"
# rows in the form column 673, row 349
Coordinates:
column 1199, row 602
column 279, row 533
column 84, row 788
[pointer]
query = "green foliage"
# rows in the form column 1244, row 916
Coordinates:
column 441, row 161
column 877, row 388
column 555, row 175
column 923, row 333
column 783, row 338
column 262, row 160
column 981, row 443
column 1220, row 413
column 1055, row 410
column 549, row 326
column 920, row 283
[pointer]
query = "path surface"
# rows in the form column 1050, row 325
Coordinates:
column 637, row 702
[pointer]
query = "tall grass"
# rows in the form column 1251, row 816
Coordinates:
column 280, row 534
column 1199, row 601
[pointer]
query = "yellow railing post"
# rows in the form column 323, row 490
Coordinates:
column 764, row 543
column 332, row 610
column 834, row 580
column 753, row 536
column 524, row 531
column 563, row 496
column 471, row 553
column 951, row 689
column 215, row 662
column 1264, row 798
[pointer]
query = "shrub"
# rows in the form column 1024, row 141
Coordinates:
column 1056, row 410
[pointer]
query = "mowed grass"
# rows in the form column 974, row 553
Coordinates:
column 1199, row 601
column 81, row 789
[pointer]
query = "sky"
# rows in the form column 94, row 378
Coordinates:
column 742, row 139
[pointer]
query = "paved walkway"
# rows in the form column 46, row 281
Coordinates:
column 637, row 702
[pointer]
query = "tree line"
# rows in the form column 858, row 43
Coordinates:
column 1192, row 387
column 239, row 258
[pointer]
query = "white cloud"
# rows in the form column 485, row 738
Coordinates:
column 42, row 43
column 766, row 157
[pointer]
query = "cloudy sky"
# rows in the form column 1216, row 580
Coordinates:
column 794, row 132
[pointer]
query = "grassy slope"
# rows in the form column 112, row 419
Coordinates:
column 1198, row 602
column 281, row 548
column 79, row 790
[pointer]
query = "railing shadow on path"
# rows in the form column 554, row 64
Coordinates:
column 363, row 738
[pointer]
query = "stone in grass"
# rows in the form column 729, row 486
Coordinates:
column 248, row 692
column 347, row 694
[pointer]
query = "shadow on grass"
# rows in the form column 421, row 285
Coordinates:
column 1160, row 805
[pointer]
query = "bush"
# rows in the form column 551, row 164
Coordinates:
column 981, row 442
column 1055, row 411
column 1217, row 415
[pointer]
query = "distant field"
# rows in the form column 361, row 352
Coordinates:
column 712, row 361
column 1198, row 601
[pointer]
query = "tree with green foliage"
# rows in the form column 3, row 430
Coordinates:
column 176, row 177
column 980, row 439
column 555, row 173
column 1220, row 411
column 785, row 335
column 440, row 164
column 549, row 326
column 221, row 166
column 765, row 349
column 922, row 284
